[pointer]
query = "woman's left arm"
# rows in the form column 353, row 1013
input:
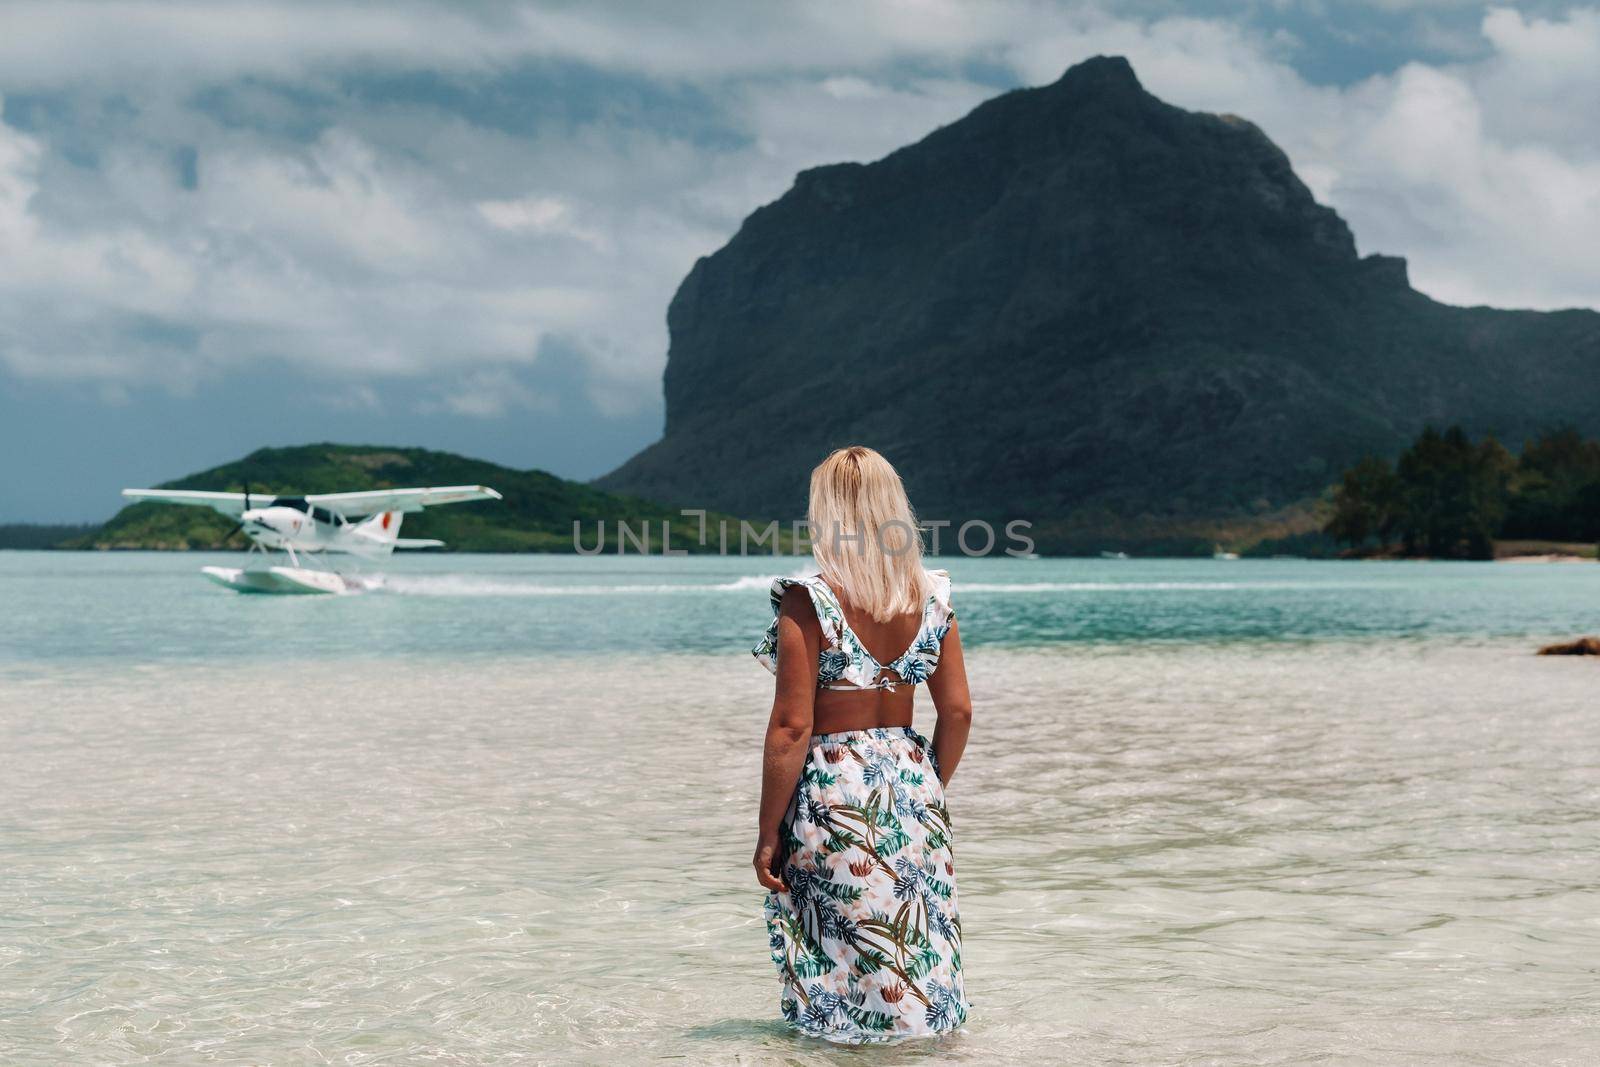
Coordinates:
column 789, row 728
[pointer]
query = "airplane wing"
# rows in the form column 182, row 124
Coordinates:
column 227, row 503
column 372, row 501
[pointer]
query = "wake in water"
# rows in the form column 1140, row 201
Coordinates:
column 465, row 585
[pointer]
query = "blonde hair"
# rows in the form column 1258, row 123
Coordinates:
column 864, row 533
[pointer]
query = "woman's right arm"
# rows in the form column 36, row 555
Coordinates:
column 788, row 729
column 953, row 703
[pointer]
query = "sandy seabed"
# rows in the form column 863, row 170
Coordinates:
column 1191, row 853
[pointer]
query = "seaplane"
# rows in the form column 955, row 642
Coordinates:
column 362, row 524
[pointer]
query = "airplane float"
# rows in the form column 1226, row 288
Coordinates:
column 315, row 524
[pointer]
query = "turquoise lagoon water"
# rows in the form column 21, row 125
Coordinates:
column 1212, row 812
column 154, row 607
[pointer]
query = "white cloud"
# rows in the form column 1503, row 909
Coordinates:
column 48, row 42
column 535, row 214
column 486, row 394
column 19, row 181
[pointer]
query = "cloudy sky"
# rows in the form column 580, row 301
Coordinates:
column 225, row 225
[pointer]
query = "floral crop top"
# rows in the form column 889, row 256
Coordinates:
column 845, row 662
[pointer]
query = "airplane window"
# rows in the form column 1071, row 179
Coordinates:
column 291, row 502
column 324, row 515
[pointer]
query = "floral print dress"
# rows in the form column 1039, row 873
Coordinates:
column 867, row 937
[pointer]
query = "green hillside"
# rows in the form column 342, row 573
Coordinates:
column 535, row 516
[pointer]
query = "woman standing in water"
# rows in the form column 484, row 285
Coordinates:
column 855, row 844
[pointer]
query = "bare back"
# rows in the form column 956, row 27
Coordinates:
column 838, row 710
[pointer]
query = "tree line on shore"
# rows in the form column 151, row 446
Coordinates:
column 1448, row 497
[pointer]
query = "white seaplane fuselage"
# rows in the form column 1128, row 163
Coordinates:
column 362, row 524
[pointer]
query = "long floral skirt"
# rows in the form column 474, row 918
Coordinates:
column 867, row 938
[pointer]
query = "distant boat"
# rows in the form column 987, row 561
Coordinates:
column 1113, row 555
column 1219, row 553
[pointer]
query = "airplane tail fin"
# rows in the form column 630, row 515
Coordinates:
column 384, row 526
column 378, row 535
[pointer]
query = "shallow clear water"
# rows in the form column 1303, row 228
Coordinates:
column 1264, row 812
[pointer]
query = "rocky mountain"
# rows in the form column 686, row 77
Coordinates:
column 536, row 514
column 1087, row 307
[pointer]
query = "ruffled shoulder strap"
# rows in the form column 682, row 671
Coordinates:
column 829, row 616
column 939, row 607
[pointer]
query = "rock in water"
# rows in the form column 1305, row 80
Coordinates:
column 1078, row 303
column 1583, row 646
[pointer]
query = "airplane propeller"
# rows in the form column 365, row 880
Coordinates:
column 240, row 524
